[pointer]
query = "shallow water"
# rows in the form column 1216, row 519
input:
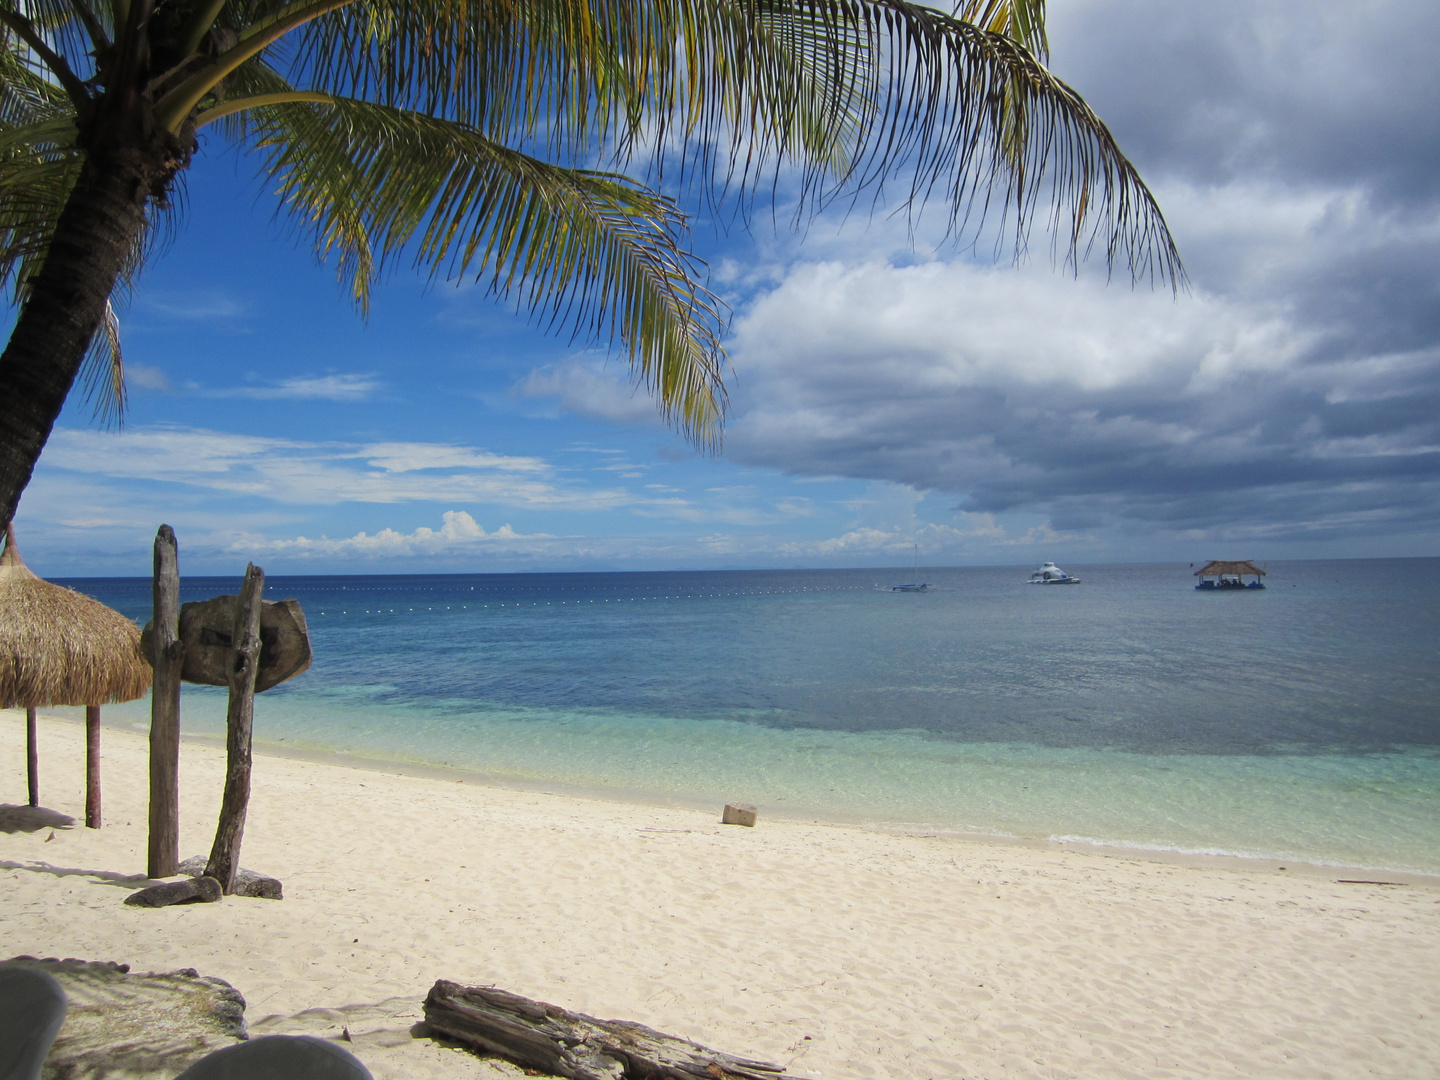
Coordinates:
column 1299, row 722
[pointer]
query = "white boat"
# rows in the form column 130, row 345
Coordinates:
column 914, row 586
column 1050, row 574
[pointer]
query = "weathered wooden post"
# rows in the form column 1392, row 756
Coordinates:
column 168, row 658
column 249, row 645
column 239, row 723
column 92, row 766
column 32, row 758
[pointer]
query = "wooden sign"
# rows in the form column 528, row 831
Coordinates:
column 206, row 626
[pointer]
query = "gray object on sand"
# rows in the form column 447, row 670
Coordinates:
column 738, row 814
column 279, row 1057
column 32, row 1008
column 247, row 882
column 195, row 890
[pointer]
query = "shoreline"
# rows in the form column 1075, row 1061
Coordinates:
column 1294, row 865
column 835, row 951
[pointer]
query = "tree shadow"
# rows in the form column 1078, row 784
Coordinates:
column 15, row 819
column 101, row 877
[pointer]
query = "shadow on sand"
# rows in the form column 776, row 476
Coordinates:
column 15, row 819
column 101, row 877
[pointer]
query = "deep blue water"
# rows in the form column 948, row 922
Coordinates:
column 1302, row 721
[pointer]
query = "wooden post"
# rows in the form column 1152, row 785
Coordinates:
column 239, row 720
column 167, row 659
column 92, row 766
column 32, row 758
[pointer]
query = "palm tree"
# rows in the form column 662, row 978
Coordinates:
column 463, row 134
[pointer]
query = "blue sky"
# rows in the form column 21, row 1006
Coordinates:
column 885, row 394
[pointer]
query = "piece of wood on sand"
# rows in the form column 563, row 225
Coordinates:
column 167, row 657
column 239, row 723
column 553, row 1040
column 742, row 813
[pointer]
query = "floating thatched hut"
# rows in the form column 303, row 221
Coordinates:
column 1229, row 575
column 59, row 647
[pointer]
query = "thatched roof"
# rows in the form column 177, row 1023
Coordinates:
column 1215, row 568
column 58, row 647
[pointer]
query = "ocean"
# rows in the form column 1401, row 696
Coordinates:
column 1301, row 722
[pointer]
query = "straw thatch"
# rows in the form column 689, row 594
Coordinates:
column 1217, row 567
column 58, row 647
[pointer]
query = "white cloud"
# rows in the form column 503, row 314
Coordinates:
column 459, row 533
column 143, row 377
column 587, row 387
column 309, row 388
column 203, row 305
column 413, row 457
column 323, row 473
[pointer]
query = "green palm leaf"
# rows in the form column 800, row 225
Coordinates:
column 591, row 251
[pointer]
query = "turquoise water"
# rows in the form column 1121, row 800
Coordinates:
column 1300, row 722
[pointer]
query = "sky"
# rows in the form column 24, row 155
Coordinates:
column 891, row 397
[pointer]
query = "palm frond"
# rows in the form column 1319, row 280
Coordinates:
column 856, row 95
column 592, row 252
column 74, row 28
column 102, row 374
column 1019, row 20
column 972, row 117
column 39, row 164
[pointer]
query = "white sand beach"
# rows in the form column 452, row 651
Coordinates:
column 836, row 951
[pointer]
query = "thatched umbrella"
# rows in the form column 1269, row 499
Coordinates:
column 58, row 647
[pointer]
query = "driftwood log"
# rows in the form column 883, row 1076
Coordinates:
column 553, row 1040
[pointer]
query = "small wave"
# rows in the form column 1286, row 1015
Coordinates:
column 912, row 828
column 1161, row 847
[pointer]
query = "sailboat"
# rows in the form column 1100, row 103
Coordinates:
column 915, row 586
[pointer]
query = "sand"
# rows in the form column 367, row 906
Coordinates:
column 837, row 951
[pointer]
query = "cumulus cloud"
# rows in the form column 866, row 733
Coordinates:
column 1092, row 405
column 459, row 533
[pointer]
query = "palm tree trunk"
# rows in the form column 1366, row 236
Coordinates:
column 101, row 221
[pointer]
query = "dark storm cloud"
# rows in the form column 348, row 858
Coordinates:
column 1302, row 91
column 1028, row 392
